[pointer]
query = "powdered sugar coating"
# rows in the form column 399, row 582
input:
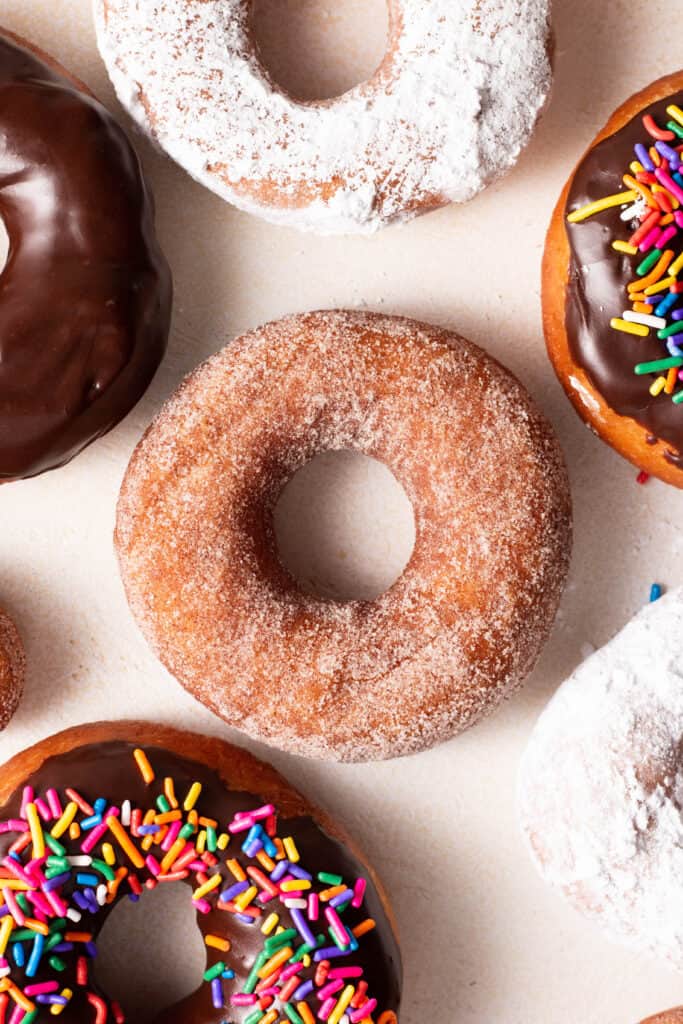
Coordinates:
column 12, row 669
column 601, row 784
column 449, row 109
column 460, row 628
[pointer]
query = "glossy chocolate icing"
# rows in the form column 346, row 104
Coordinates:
column 109, row 770
column 85, row 297
column 596, row 290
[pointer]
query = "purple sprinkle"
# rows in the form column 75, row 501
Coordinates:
column 302, row 927
column 245, row 919
column 90, row 949
column 217, row 993
column 234, row 890
column 298, row 872
column 303, row 990
column 56, row 882
column 677, row 314
column 280, row 869
column 62, row 947
column 343, row 897
column 644, row 157
column 329, row 952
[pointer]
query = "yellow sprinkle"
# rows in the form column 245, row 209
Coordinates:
column 602, row 204
column 143, row 764
column 676, row 113
column 291, row 850
column 36, row 830
column 146, row 843
column 74, row 830
column 279, row 958
column 655, row 289
column 658, row 386
column 343, row 1001
column 268, row 925
column 172, row 855
column 365, row 926
column 201, row 841
column 216, row 942
column 222, row 841
column 193, row 796
column 236, row 870
column 623, row 325
column 620, row 246
column 108, row 854
column 169, row 792
column 306, row 961
column 13, row 883
column 209, row 886
column 295, row 885
column 245, row 898
column 57, row 1008
column 636, row 167
column 265, row 861
column 6, row 926
column 676, row 266
column 269, row 1018
column 60, row 827
column 124, row 842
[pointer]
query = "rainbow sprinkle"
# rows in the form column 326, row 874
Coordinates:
column 652, row 204
column 310, row 926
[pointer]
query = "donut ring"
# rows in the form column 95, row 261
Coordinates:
column 156, row 804
column 464, row 623
column 584, row 289
column 599, row 785
column 85, row 297
column 12, row 669
column 448, row 110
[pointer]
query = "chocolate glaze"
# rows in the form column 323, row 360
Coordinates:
column 85, row 297
column 596, row 290
column 109, row 770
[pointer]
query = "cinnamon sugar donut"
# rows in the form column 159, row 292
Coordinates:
column 107, row 812
column 12, row 669
column 601, row 785
column 449, row 109
column 461, row 627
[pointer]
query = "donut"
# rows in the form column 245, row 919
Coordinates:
column 670, row 1017
column 12, row 668
column 347, row 680
column 612, row 290
column 448, row 110
column 292, row 919
column 601, row 780
column 85, row 296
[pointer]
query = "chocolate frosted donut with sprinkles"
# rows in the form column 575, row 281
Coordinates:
column 295, row 926
column 612, row 285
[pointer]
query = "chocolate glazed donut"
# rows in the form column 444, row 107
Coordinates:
column 172, row 806
column 85, row 297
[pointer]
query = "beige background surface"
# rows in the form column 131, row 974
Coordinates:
column 497, row 947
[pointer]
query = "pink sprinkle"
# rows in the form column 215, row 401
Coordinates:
column 171, row 836
column 666, row 236
column 359, row 893
column 678, row 217
column 14, row 908
column 13, row 825
column 326, row 1009
column 336, row 925
column 43, row 810
column 93, row 837
column 345, row 972
column 313, row 907
column 54, row 802
column 57, row 903
column 17, row 1015
column 153, row 865
column 328, row 990
column 289, row 972
column 17, row 870
column 669, row 184
column 649, row 240
column 202, row 905
column 363, row 1011
column 243, row 824
column 26, row 798
column 41, row 988
column 243, row 999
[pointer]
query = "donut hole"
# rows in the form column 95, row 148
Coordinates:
column 150, row 953
column 344, row 527
column 320, row 49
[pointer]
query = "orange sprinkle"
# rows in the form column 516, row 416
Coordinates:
column 671, row 378
column 143, row 764
column 365, row 926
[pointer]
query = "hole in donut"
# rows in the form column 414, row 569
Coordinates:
column 319, row 49
column 150, row 954
column 344, row 527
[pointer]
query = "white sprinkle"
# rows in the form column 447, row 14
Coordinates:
column 80, row 861
column 73, row 915
column 125, row 813
column 643, row 318
column 101, row 894
column 295, row 904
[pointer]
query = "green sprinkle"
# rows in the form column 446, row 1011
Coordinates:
column 253, row 979
column 58, row 862
column 53, row 940
column 215, row 971
column 211, row 838
column 658, row 364
column 328, row 879
column 21, row 935
column 163, row 804
column 24, row 904
column 55, row 846
column 677, row 398
column 292, row 1014
column 676, row 128
column 666, row 332
column 57, row 964
column 187, row 831
column 648, row 263
column 30, row 1017
column 104, row 869
column 279, row 941
column 254, row 1017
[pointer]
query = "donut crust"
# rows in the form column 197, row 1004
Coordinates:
column 674, row 1016
column 622, row 433
column 12, row 668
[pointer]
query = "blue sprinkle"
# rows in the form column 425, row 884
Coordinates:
column 655, row 592
column 18, row 954
column 89, row 823
column 34, row 959
column 665, row 305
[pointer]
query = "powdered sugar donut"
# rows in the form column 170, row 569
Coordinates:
column 350, row 680
column 12, row 668
column 601, row 785
column 448, row 110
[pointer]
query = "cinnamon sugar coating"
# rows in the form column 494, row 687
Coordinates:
column 461, row 627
